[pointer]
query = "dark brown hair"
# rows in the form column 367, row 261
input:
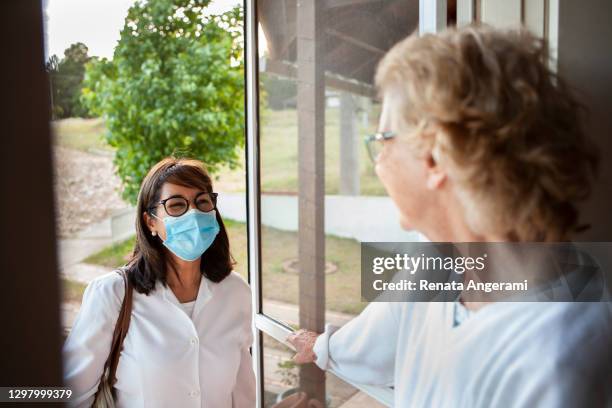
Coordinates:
column 150, row 257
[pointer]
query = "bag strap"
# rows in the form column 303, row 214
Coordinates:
column 121, row 328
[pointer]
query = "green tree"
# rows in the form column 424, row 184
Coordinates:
column 280, row 92
column 66, row 78
column 174, row 86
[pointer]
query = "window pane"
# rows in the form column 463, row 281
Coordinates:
column 320, row 194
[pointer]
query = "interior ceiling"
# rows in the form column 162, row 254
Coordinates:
column 356, row 35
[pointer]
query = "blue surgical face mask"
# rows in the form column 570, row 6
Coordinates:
column 191, row 234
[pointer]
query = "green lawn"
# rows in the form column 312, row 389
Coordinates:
column 113, row 255
column 342, row 287
column 80, row 134
column 72, row 290
column 279, row 152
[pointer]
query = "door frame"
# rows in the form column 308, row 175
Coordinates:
column 430, row 20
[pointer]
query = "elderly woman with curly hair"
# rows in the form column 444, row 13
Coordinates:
column 479, row 142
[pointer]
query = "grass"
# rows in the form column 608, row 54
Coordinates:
column 113, row 255
column 80, row 134
column 279, row 152
column 343, row 290
column 72, row 290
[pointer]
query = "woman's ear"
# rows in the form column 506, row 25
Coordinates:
column 150, row 222
column 436, row 175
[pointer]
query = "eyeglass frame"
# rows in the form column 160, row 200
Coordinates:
column 213, row 197
column 377, row 137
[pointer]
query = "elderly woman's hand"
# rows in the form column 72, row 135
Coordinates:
column 303, row 341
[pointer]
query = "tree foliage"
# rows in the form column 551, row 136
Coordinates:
column 174, row 86
column 66, row 77
column 280, row 92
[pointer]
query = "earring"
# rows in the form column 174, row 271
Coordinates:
column 154, row 233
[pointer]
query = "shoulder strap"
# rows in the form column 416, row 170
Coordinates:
column 121, row 328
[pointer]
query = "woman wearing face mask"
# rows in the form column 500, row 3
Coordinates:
column 189, row 333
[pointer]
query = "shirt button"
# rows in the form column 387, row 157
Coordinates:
column 194, row 393
column 194, row 341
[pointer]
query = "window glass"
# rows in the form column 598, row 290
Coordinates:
column 320, row 196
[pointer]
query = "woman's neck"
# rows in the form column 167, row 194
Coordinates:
column 185, row 281
column 450, row 225
column 446, row 222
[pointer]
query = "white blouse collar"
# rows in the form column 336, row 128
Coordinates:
column 205, row 293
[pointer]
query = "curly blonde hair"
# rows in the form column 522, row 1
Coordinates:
column 487, row 104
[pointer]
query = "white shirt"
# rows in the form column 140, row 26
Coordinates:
column 188, row 308
column 520, row 354
column 168, row 359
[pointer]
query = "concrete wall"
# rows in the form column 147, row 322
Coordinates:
column 364, row 218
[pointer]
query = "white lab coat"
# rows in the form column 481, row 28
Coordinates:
column 518, row 354
column 168, row 359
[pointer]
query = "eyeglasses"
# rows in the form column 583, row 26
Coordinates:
column 374, row 143
column 177, row 205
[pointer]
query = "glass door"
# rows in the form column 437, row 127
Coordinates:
column 311, row 188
